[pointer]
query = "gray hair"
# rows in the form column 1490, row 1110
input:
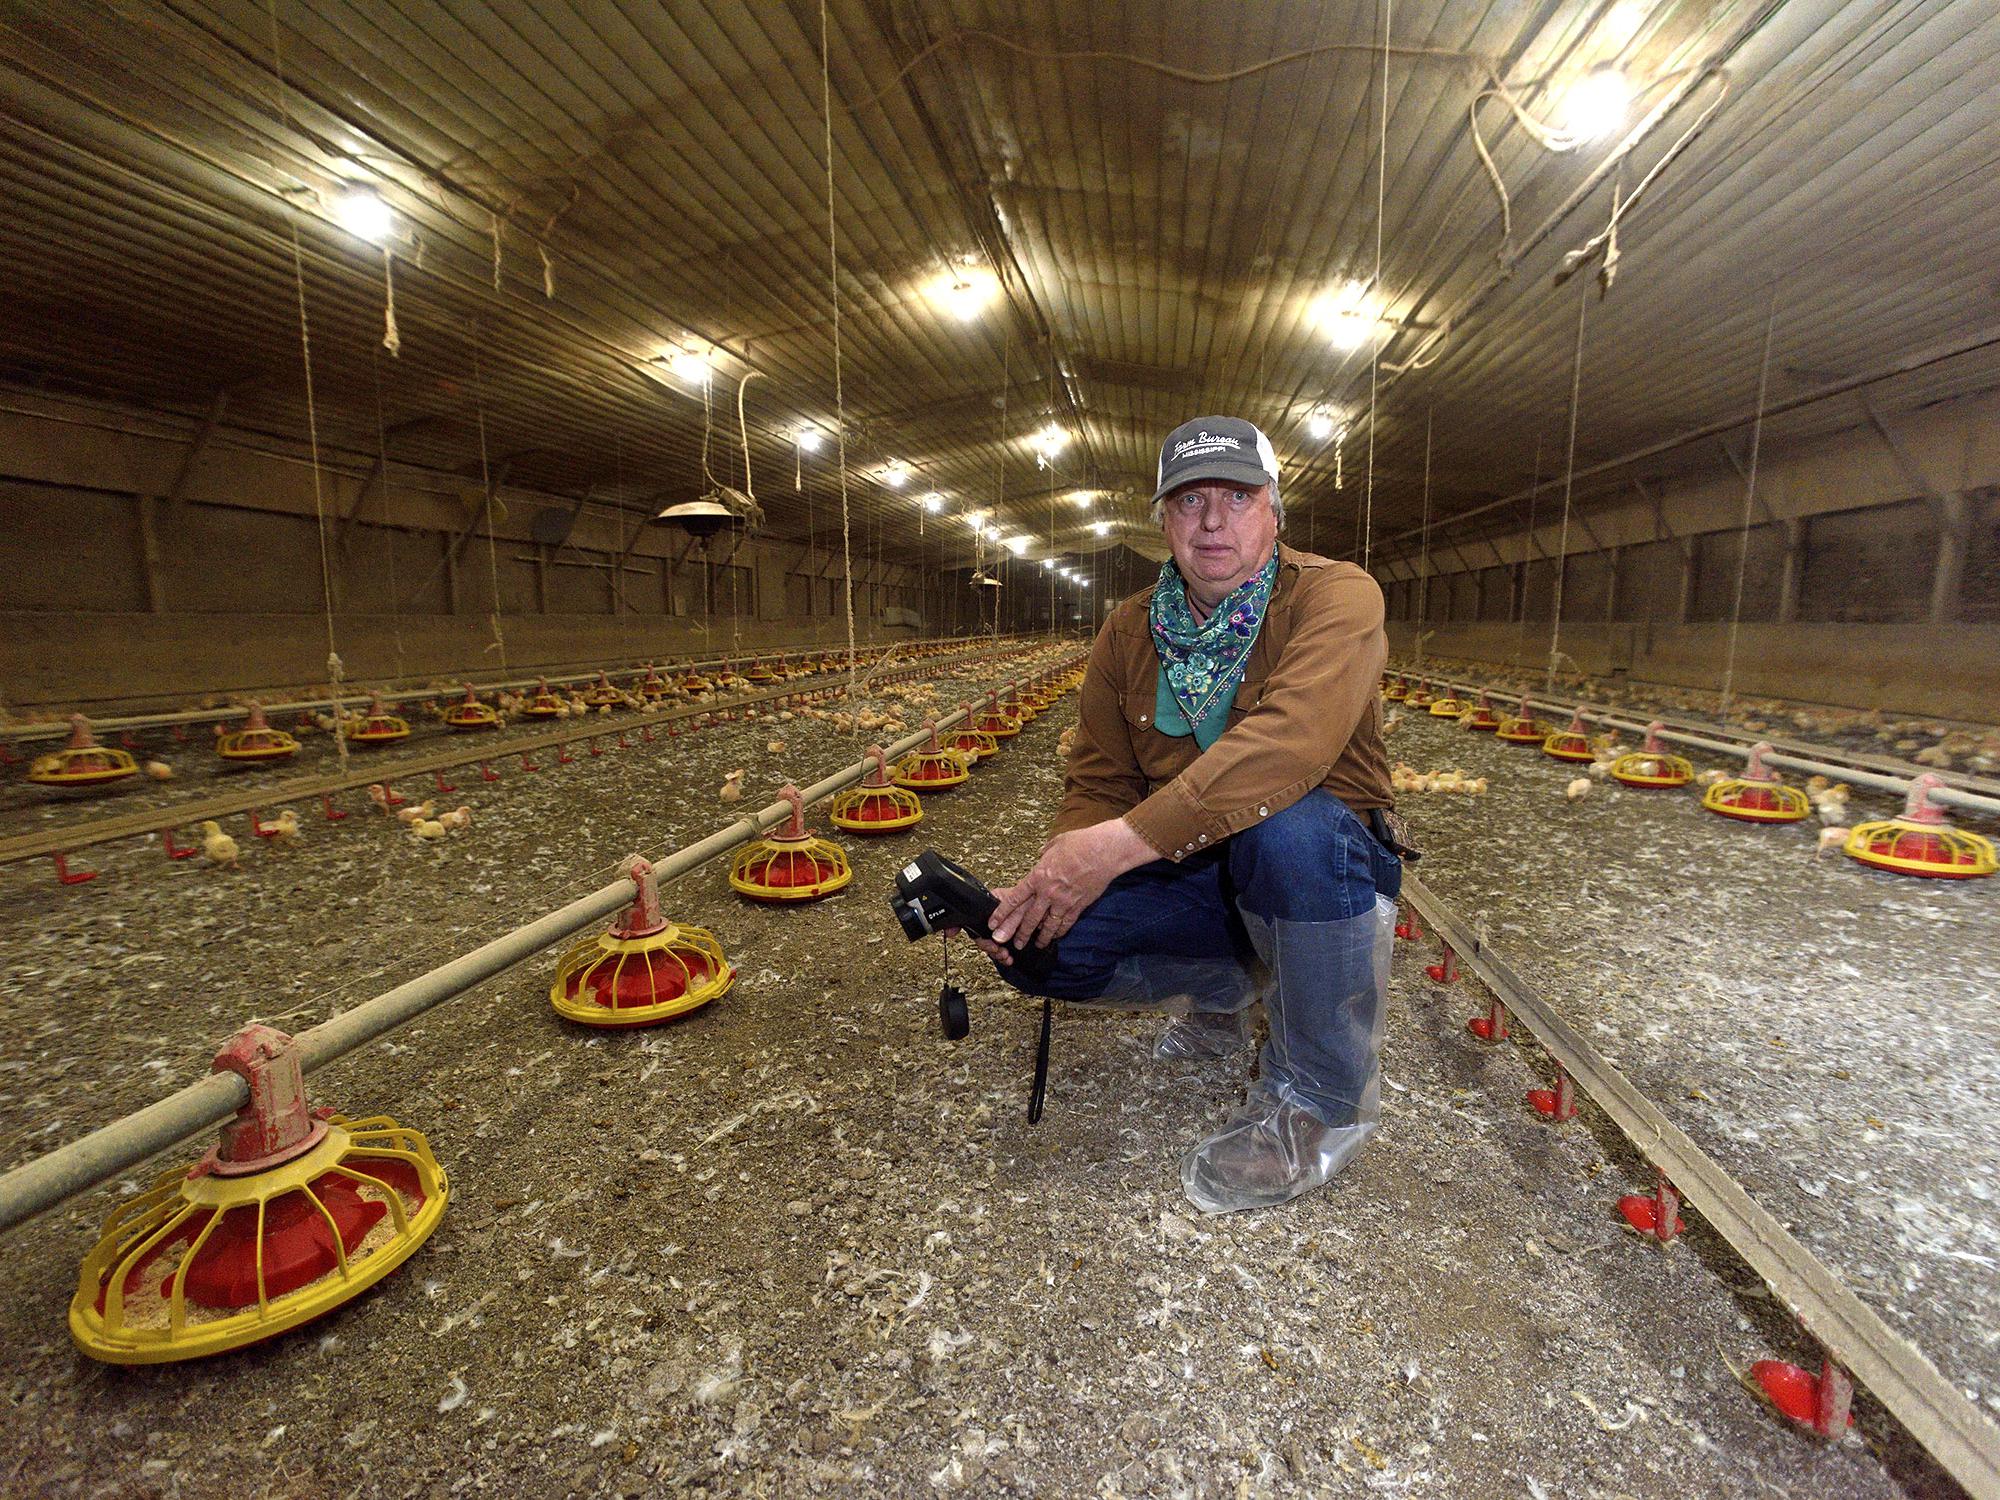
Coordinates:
column 1277, row 507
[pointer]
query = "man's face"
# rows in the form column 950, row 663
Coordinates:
column 1220, row 535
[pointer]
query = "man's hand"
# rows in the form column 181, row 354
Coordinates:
column 1073, row 871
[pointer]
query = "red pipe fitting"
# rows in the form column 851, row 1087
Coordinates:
column 1557, row 1104
column 1491, row 1027
column 487, row 773
column 1659, row 1216
column 175, row 851
column 1445, row 970
column 72, row 877
column 326, row 806
column 443, row 786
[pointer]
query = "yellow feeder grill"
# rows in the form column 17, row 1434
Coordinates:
column 694, row 682
column 469, row 713
column 1522, row 728
column 1449, row 708
column 877, row 805
column 601, row 694
column 932, row 767
column 1757, row 796
column 1396, row 691
column 728, row 677
column 992, row 719
column 1420, row 696
column 653, row 685
column 256, row 741
column 1572, row 743
column 1018, row 708
column 82, row 762
column 293, row 1213
column 1650, row 765
column 1922, row 841
column 761, row 674
column 544, row 704
column 378, row 726
column 975, row 744
column 644, row 969
column 789, row 864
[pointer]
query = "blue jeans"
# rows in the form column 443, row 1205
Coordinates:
column 1313, row 862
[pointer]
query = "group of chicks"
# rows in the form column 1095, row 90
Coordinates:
column 1404, row 777
column 218, row 848
column 425, row 823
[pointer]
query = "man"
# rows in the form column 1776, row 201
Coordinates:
column 1223, row 828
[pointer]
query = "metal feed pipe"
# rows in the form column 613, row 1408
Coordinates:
column 41, row 1184
column 56, row 729
column 1899, row 786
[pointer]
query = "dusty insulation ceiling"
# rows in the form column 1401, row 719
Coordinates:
column 1165, row 193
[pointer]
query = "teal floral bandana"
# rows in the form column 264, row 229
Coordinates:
column 1202, row 665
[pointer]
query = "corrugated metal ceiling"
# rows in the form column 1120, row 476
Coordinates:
column 1160, row 231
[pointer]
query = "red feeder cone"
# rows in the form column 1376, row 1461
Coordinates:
column 1408, row 927
column 1821, row 1403
column 67, row 876
column 1659, row 1216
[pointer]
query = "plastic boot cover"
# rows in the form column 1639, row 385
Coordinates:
column 1319, row 1094
column 1202, row 1035
column 1153, row 981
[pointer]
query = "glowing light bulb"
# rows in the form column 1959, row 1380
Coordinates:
column 895, row 473
column 688, row 361
column 1049, row 563
column 962, row 290
column 1016, row 545
column 362, row 214
column 1322, row 423
column 1102, row 528
column 1596, row 104
column 809, row 439
column 933, row 502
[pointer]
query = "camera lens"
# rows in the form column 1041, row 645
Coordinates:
column 910, row 914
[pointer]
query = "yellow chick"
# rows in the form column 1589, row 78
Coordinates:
column 1578, row 789
column 732, row 787
column 775, row 747
column 429, row 828
column 285, row 827
column 1831, row 838
column 1710, row 777
column 418, row 814
column 218, row 846
column 159, row 770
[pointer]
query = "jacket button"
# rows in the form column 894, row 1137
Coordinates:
column 1204, row 838
column 1263, row 812
column 1143, row 719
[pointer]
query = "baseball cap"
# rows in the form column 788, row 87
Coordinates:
column 1225, row 448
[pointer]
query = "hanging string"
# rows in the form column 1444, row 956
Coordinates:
column 388, row 531
column 1569, row 485
column 548, row 272
column 1749, row 499
column 1374, row 341
column 335, row 670
column 496, row 252
column 492, row 501
column 750, row 494
column 1424, row 562
column 391, row 339
column 839, row 401
column 1528, row 552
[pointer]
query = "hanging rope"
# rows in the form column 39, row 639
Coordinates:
column 1424, row 563
column 391, row 339
column 1749, row 499
column 1569, row 484
column 1374, row 341
column 1528, row 552
column 499, row 642
column 839, row 401
column 335, row 670
column 750, row 493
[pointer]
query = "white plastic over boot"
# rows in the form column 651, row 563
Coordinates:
column 1202, row 1036
column 1318, row 1095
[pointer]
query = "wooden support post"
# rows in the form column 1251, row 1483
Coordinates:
column 541, row 578
column 1954, row 548
column 1685, row 607
column 1794, row 571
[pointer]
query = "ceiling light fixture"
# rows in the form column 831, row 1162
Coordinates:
column 933, row 502
column 808, row 438
column 1347, row 315
column 895, row 473
column 1596, row 104
column 1101, row 528
column 963, row 290
column 1016, row 545
column 689, row 362
column 1323, row 422
column 1049, row 562
column 364, row 215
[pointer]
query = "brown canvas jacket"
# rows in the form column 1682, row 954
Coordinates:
column 1308, row 714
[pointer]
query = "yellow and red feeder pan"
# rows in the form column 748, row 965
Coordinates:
column 544, row 704
column 933, row 767
column 1419, row 696
column 1449, row 708
column 601, row 694
column 256, row 741
column 1016, row 706
column 1572, row 743
column 1522, row 728
column 1396, row 690
column 1481, row 716
column 293, row 1213
column 653, row 685
column 729, row 678
column 1651, row 766
column 644, row 969
column 82, row 762
column 760, row 673
column 469, row 713
column 694, row 682
column 1922, row 841
column 877, row 805
column 976, row 745
column 993, row 720
column 789, row 864
column 1757, row 796
column 378, row 726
